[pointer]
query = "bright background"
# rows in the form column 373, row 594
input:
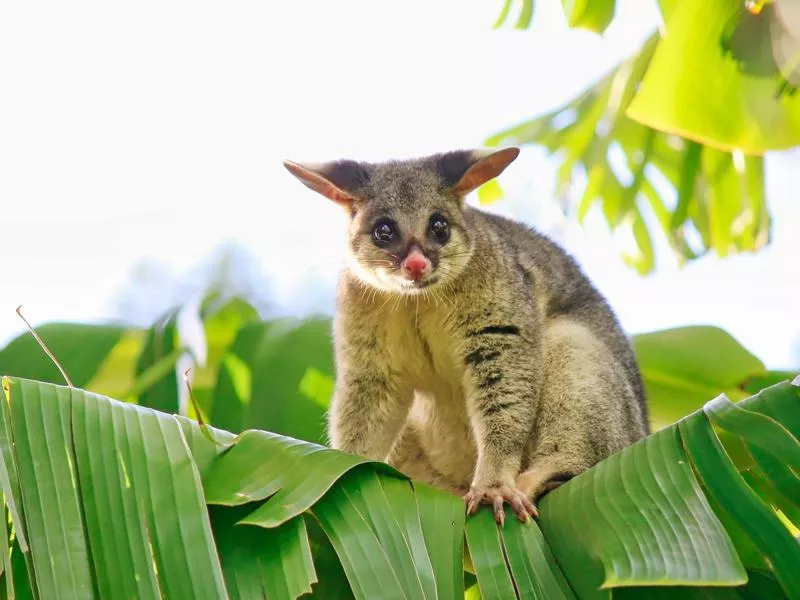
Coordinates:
column 141, row 147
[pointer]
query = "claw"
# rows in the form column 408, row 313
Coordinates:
column 472, row 501
column 496, row 496
column 499, row 513
column 519, row 508
column 530, row 507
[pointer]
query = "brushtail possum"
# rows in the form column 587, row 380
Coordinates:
column 471, row 352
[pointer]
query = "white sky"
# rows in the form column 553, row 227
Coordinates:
column 157, row 129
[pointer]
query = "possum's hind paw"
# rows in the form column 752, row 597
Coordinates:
column 496, row 496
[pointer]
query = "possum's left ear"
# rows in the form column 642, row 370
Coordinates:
column 339, row 181
column 466, row 170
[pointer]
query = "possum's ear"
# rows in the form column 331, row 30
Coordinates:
column 466, row 170
column 338, row 181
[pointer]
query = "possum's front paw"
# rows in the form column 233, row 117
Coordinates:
column 496, row 496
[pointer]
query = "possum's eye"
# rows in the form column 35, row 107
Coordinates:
column 439, row 228
column 384, row 232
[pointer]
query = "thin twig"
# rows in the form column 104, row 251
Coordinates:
column 203, row 425
column 191, row 396
column 45, row 348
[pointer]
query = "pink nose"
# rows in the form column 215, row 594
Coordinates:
column 415, row 265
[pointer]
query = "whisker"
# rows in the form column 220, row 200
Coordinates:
column 388, row 297
column 396, row 302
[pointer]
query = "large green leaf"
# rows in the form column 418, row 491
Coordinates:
column 204, row 448
column 9, row 476
column 116, row 377
column 403, row 503
column 769, row 423
column 486, row 553
column 222, row 317
column 156, row 365
column 262, row 563
column 288, row 567
column 80, row 349
column 755, row 384
column 5, row 551
column 113, row 491
column 112, row 502
column 442, row 519
column 719, row 77
column 40, row 418
column 240, row 549
column 683, row 367
column 532, row 563
column 19, row 579
column 157, row 383
column 333, row 585
column 779, row 402
column 171, row 509
column 293, row 474
column 766, row 433
column 388, row 508
column 261, row 378
column 366, row 564
column 761, row 585
column 118, row 533
column 760, row 522
column 369, row 495
column 19, row 574
column 642, row 519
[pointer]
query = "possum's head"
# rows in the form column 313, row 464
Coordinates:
column 407, row 228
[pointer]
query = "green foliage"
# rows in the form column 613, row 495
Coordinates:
column 762, row 525
column 689, row 118
column 272, row 376
column 523, row 19
column 155, row 365
column 685, row 366
column 717, row 199
column 278, row 375
column 736, row 91
column 664, row 480
column 275, row 375
column 104, row 491
column 133, row 502
column 109, row 499
column 282, row 511
column 594, row 15
column 80, row 348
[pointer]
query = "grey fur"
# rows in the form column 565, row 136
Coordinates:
column 509, row 371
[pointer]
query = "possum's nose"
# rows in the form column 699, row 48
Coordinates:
column 416, row 265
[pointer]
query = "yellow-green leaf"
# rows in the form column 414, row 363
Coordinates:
column 716, row 78
column 594, row 15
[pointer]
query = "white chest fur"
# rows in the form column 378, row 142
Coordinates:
column 427, row 351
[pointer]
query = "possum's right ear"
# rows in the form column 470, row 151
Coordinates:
column 339, row 181
column 466, row 170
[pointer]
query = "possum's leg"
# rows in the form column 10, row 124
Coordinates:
column 408, row 456
column 546, row 474
column 588, row 409
column 501, row 388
